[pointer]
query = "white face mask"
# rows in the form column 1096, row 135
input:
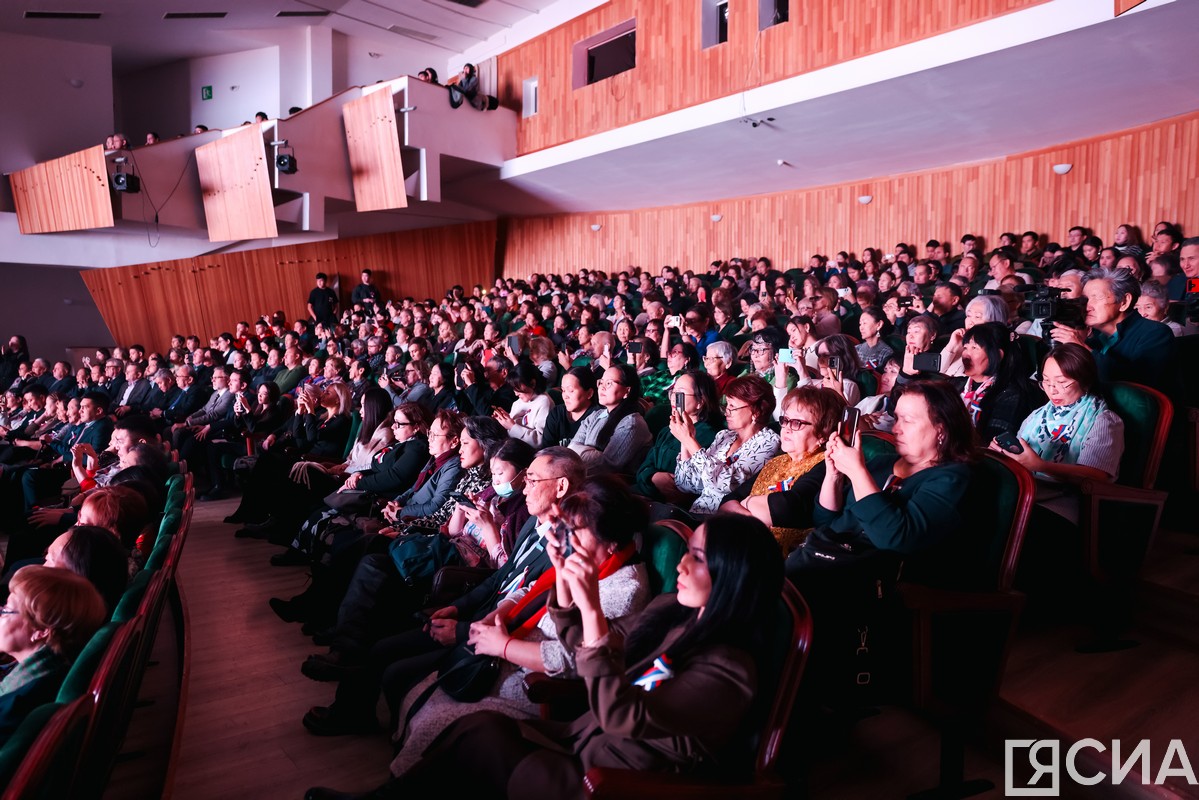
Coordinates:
column 505, row 489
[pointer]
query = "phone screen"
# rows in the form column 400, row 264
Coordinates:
column 848, row 430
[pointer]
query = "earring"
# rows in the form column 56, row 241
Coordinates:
column 941, row 440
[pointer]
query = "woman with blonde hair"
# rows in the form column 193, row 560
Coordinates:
column 49, row 617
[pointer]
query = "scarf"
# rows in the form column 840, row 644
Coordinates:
column 973, row 396
column 1058, row 433
column 544, row 583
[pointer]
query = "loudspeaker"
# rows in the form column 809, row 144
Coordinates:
column 124, row 182
column 286, row 163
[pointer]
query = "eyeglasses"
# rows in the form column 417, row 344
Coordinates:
column 531, row 479
column 1059, row 386
column 608, row 384
column 5, row 610
column 400, row 423
column 764, row 349
column 794, row 423
column 730, row 409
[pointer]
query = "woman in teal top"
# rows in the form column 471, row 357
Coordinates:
column 701, row 402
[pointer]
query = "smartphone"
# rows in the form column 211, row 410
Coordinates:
column 1192, row 285
column 514, row 344
column 1008, row 441
column 562, row 534
column 927, row 362
column 834, row 363
column 905, row 302
column 459, row 357
column 462, row 500
column 679, row 401
column 634, row 347
column 843, row 293
column 786, row 356
column 674, row 322
column 848, row 429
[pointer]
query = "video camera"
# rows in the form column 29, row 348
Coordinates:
column 1047, row 304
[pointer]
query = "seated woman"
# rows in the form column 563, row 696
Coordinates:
column 485, row 531
column 260, row 420
column 988, row 308
column 441, row 388
column 701, row 405
column 994, row 388
column 873, row 352
column 669, row 688
column 616, row 437
column 810, row 416
column 532, row 408
column 578, row 402
column 897, row 507
column 603, row 519
column 1074, row 437
column 317, row 432
column 50, row 615
column 94, row 553
column 878, row 410
column 836, row 367
column 718, row 363
column 735, row 455
column 374, row 467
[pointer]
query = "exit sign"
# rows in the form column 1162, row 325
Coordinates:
column 205, row 92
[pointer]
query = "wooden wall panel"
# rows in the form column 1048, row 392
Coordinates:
column 1126, row 5
column 64, row 194
column 1138, row 176
column 206, row 295
column 236, row 186
column 674, row 71
column 374, row 144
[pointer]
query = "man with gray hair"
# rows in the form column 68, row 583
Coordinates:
column 1126, row 346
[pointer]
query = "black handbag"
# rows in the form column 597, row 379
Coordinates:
column 467, row 676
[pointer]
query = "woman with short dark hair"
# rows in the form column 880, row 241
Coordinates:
column 735, row 455
column 994, row 388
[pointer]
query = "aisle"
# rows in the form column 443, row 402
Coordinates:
column 242, row 735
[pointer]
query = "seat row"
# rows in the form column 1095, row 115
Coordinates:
column 67, row 748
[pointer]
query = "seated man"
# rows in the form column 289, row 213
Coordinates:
column 397, row 663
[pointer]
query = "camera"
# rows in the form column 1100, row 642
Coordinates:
column 1047, row 304
column 905, row 302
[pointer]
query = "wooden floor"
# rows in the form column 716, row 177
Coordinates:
column 242, row 736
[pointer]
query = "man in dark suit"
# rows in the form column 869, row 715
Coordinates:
column 113, row 381
column 63, row 382
column 397, row 663
column 96, row 431
column 215, row 409
column 164, row 394
column 186, row 402
column 134, row 394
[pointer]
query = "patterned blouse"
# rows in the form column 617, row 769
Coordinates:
column 713, row 473
column 777, row 476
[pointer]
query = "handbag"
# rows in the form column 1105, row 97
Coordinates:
column 467, row 676
column 418, row 556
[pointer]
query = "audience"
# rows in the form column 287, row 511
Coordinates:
column 494, row 427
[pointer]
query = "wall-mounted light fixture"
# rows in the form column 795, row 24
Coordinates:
column 595, row 227
column 865, row 199
column 782, row 162
column 717, row 217
column 1062, row 169
column 76, row 83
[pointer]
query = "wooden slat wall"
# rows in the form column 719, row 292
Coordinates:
column 674, row 71
column 150, row 302
column 1126, row 5
column 1138, row 176
column 374, row 144
column 65, row 194
column 236, row 186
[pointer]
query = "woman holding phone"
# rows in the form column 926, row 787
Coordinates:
column 735, row 455
column 669, row 688
column 867, row 517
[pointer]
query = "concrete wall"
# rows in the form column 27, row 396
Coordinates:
column 52, row 308
column 44, row 115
